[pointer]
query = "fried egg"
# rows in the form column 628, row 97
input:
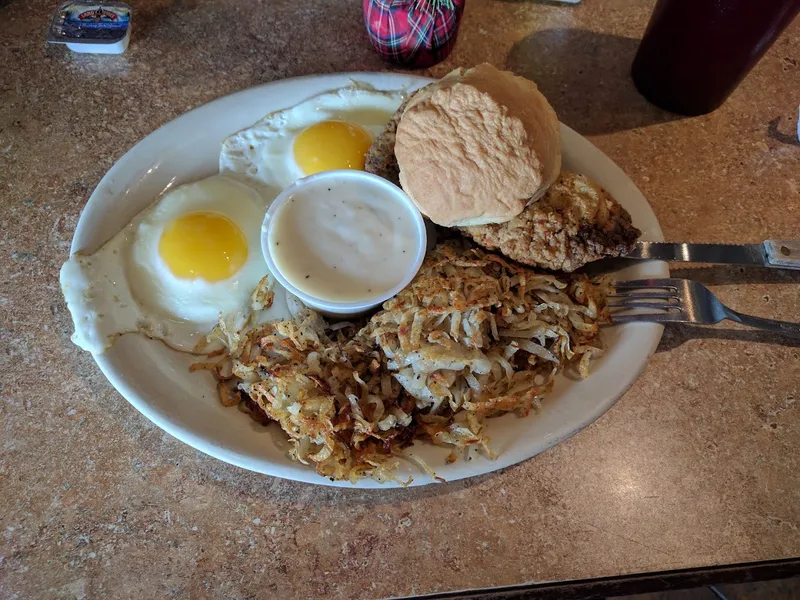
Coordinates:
column 330, row 131
column 191, row 257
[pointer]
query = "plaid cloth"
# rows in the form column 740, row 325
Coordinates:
column 412, row 32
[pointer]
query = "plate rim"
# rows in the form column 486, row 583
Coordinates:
column 300, row 472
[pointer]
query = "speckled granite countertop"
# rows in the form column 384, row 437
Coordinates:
column 696, row 465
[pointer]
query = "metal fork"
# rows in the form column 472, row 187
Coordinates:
column 683, row 301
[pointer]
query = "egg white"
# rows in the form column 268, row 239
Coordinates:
column 125, row 286
column 263, row 152
column 197, row 299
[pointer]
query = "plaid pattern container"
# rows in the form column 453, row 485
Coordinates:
column 413, row 33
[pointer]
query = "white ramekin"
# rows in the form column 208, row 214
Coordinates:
column 332, row 178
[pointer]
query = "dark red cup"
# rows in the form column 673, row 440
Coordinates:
column 695, row 52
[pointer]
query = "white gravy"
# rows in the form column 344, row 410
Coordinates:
column 344, row 242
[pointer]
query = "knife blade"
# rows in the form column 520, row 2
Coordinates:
column 780, row 254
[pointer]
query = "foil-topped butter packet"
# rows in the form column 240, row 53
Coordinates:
column 91, row 27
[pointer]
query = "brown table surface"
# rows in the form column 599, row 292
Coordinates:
column 696, row 466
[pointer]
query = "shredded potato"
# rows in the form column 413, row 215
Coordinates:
column 473, row 336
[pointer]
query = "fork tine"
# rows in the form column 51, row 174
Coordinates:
column 655, row 305
column 645, row 295
column 669, row 284
column 665, row 317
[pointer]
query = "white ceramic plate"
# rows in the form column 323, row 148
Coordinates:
column 156, row 380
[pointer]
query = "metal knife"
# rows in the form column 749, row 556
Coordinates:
column 778, row 254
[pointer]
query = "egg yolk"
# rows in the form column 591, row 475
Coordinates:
column 203, row 245
column 331, row 145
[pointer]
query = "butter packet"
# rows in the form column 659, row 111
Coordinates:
column 87, row 27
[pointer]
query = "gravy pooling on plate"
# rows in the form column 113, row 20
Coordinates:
column 342, row 243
